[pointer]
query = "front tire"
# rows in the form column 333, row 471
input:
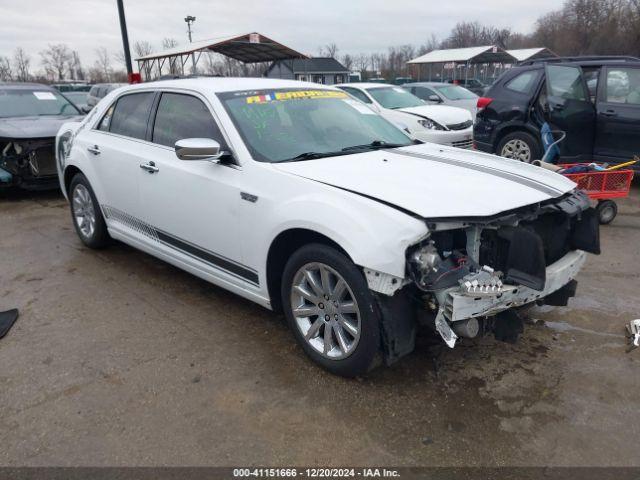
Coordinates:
column 330, row 310
column 520, row 146
column 86, row 215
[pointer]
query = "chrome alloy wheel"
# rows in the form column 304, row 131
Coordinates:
column 325, row 311
column 517, row 150
column 83, row 212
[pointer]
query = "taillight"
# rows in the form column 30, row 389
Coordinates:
column 483, row 102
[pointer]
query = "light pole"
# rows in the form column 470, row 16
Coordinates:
column 125, row 40
column 190, row 19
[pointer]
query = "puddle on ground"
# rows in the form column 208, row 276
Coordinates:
column 566, row 327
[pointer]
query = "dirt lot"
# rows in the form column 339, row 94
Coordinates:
column 121, row 359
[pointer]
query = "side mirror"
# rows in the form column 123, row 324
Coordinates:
column 434, row 98
column 198, row 149
column 85, row 109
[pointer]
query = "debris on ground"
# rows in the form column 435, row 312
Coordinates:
column 7, row 319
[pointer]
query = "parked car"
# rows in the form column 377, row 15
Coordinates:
column 72, row 87
column 444, row 93
column 594, row 100
column 79, row 99
column 301, row 199
column 472, row 84
column 30, row 116
column 99, row 91
column 427, row 123
column 402, row 80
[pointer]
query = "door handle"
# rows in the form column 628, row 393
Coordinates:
column 149, row 167
column 609, row 113
column 95, row 150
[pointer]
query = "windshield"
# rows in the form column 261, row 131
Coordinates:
column 454, row 92
column 395, row 97
column 26, row 102
column 285, row 125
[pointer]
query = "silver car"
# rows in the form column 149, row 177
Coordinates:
column 445, row 94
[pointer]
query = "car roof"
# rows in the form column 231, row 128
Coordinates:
column 227, row 84
column 366, row 85
column 25, row 86
column 427, row 84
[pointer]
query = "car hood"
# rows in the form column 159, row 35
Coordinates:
column 442, row 114
column 433, row 181
column 33, row 127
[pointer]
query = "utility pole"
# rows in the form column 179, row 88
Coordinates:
column 125, row 41
column 190, row 19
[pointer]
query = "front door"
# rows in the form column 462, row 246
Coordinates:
column 570, row 110
column 618, row 107
column 193, row 205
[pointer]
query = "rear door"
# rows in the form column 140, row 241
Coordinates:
column 569, row 109
column 116, row 147
column 618, row 107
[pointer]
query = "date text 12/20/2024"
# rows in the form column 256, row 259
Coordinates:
column 315, row 473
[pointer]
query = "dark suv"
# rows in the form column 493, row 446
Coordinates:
column 594, row 100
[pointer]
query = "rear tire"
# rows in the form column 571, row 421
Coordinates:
column 331, row 310
column 607, row 211
column 86, row 214
column 520, row 146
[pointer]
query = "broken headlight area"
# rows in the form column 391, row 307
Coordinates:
column 28, row 161
column 471, row 269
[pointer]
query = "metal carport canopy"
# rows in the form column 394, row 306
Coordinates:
column 523, row 54
column 486, row 54
column 249, row 48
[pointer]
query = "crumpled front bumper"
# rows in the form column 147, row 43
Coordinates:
column 460, row 306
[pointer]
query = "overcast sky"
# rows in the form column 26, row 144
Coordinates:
column 354, row 25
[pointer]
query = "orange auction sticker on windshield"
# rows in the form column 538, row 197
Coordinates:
column 296, row 94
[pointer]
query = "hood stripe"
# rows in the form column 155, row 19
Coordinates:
column 514, row 177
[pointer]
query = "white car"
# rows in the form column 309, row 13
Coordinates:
column 303, row 200
column 428, row 123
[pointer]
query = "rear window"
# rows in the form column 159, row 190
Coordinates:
column 524, row 82
column 130, row 115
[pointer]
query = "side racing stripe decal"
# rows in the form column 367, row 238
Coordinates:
column 229, row 266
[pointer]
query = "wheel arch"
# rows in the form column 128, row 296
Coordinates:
column 69, row 172
column 511, row 128
column 281, row 248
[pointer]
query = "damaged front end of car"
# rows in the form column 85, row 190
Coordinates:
column 468, row 276
column 28, row 163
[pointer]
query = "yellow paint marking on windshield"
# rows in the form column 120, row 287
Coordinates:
column 283, row 96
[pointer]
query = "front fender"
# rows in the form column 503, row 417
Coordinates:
column 374, row 235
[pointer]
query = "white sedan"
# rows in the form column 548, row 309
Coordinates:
column 429, row 123
column 303, row 200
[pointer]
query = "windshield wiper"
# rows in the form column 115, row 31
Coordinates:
column 311, row 156
column 375, row 145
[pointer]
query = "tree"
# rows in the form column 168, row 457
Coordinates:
column 5, row 69
column 21, row 63
column 348, row 61
column 174, row 67
column 55, row 60
column 141, row 49
column 75, row 67
column 330, row 50
column 103, row 63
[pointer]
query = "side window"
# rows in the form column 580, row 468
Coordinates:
column 565, row 82
column 358, row 94
column 423, row 93
column 131, row 115
column 623, row 85
column 105, row 123
column 523, row 83
column 93, row 92
column 182, row 116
